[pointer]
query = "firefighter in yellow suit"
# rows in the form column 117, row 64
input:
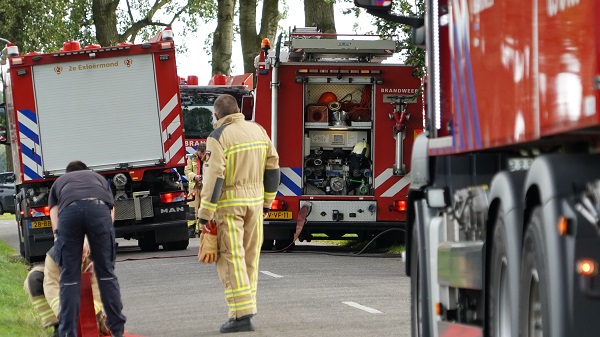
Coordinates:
column 42, row 286
column 241, row 176
column 193, row 173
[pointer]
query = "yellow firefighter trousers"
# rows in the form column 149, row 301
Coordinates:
column 35, row 290
column 240, row 236
column 195, row 205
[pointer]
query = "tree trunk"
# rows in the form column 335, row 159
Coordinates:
column 104, row 14
column 268, row 28
column 223, row 38
column 319, row 13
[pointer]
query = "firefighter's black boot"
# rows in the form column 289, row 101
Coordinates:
column 238, row 325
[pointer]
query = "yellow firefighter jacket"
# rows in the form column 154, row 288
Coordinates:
column 52, row 288
column 231, row 163
column 191, row 170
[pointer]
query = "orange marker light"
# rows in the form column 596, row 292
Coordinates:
column 587, row 268
column 438, row 308
column 563, row 226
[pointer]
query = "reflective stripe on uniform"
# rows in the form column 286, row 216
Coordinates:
column 208, row 205
column 270, row 195
column 242, row 305
column 240, row 202
column 55, row 303
column 234, row 244
column 259, row 144
column 231, row 293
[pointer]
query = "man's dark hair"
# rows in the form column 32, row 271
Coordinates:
column 225, row 105
column 76, row 165
column 202, row 147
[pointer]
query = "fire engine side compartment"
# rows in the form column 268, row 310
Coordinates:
column 295, row 94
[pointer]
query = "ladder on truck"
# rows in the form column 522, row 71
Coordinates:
column 310, row 45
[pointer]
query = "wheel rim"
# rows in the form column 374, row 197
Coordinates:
column 534, row 322
column 503, row 303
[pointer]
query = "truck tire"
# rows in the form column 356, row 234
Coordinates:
column 267, row 245
column 147, row 243
column 176, row 245
column 499, row 304
column 416, row 306
column 535, row 310
column 286, row 244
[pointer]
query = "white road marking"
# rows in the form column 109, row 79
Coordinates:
column 270, row 274
column 362, row 307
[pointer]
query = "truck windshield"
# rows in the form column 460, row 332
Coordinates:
column 198, row 121
column 197, row 105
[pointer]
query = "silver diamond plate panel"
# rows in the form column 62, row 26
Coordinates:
column 125, row 209
column 323, row 210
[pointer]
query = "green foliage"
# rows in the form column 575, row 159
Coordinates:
column 413, row 56
column 17, row 316
column 155, row 16
column 35, row 25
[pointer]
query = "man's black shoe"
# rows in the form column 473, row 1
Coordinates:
column 237, row 325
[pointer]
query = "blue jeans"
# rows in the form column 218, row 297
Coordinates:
column 74, row 221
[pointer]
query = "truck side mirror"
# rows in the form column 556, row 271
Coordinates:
column 377, row 5
column 417, row 37
column 248, row 107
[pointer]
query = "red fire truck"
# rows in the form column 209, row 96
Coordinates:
column 343, row 123
column 197, row 104
column 504, row 204
column 198, row 112
column 116, row 109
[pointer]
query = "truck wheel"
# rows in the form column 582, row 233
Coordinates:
column 416, row 290
column 21, row 240
column 535, row 315
column 1, row 209
column 499, row 304
column 176, row 245
column 148, row 243
column 282, row 244
column 267, row 245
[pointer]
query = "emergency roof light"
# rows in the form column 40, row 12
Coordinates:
column 265, row 44
column 167, row 34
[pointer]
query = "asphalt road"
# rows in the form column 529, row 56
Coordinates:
column 313, row 291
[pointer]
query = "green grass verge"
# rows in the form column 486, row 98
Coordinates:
column 7, row 216
column 17, row 316
column 392, row 249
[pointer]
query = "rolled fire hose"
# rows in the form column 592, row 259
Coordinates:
column 334, row 106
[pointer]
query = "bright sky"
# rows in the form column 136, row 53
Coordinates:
column 197, row 62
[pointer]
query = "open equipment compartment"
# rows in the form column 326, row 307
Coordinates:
column 338, row 136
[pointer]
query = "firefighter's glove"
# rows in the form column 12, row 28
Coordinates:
column 102, row 328
column 208, row 243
